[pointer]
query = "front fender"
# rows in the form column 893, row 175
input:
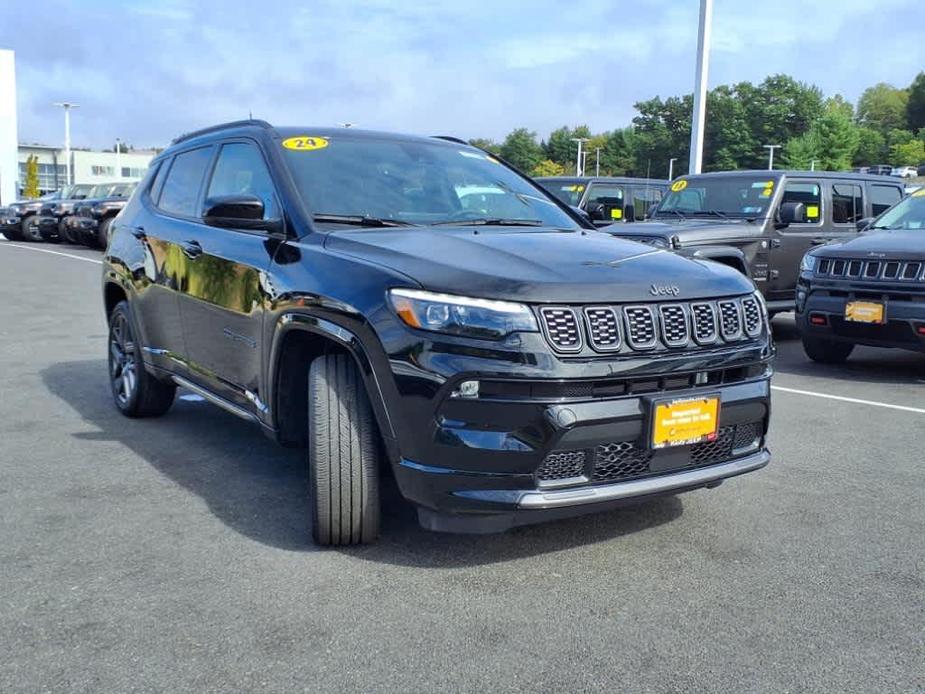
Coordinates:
column 728, row 255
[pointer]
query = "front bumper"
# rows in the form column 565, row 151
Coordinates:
column 825, row 302
column 48, row 226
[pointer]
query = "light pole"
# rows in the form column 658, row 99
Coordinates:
column 671, row 167
column 771, row 149
column 584, row 162
column 579, row 140
column 119, row 158
column 812, row 165
column 597, row 161
column 67, row 106
column 700, row 86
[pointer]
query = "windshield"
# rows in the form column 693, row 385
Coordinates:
column 415, row 182
column 718, row 196
column 567, row 191
column 79, row 192
column 122, row 190
column 100, row 191
column 908, row 214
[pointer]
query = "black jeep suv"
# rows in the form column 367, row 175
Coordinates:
column 506, row 360
column 93, row 217
column 608, row 199
column 763, row 222
column 868, row 289
column 53, row 215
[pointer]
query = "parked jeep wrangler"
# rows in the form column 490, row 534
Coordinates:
column 763, row 222
column 607, row 199
column 93, row 216
column 507, row 363
column 52, row 216
column 27, row 212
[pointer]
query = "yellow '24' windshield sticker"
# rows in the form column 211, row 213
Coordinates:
column 305, row 143
column 678, row 186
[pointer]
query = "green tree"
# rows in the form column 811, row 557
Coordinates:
column 883, row 107
column 915, row 105
column 728, row 140
column 31, row 184
column 486, row 144
column 911, row 153
column 662, row 131
column 871, row 149
column 547, row 167
column 521, row 149
column 617, row 156
column 800, row 152
column 838, row 140
column 560, row 147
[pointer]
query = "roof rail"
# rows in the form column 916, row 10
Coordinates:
column 222, row 126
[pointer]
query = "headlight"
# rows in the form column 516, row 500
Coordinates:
column 808, row 264
column 461, row 315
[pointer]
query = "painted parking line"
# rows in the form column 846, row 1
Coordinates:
column 9, row 244
column 856, row 401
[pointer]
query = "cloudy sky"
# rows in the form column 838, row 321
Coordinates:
column 146, row 70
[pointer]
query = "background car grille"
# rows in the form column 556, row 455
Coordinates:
column 623, row 460
column 603, row 328
column 871, row 269
column 649, row 326
column 561, row 325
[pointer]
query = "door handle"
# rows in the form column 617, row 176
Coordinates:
column 191, row 249
column 138, row 233
column 819, row 240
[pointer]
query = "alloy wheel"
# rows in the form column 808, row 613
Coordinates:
column 123, row 363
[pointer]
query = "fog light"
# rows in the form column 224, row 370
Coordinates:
column 468, row 389
column 920, row 330
column 818, row 319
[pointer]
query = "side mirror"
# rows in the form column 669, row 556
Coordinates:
column 242, row 211
column 791, row 213
column 862, row 224
column 596, row 212
column 582, row 213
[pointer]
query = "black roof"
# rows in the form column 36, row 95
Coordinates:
column 603, row 179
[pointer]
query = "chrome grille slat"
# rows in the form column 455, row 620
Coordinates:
column 603, row 328
column 675, row 330
column 911, row 271
column 751, row 315
column 640, row 327
column 561, row 327
column 730, row 320
column 705, row 330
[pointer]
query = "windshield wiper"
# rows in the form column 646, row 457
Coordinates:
column 360, row 220
column 492, row 221
column 713, row 213
column 677, row 212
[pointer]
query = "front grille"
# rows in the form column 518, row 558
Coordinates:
column 640, row 327
column 674, row 325
column 890, row 270
column 614, row 461
column 603, row 328
column 746, row 435
column 651, row 326
column 714, row 451
column 561, row 465
column 561, row 325
column 730, row 321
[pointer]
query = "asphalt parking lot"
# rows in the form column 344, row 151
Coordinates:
column 175, row 554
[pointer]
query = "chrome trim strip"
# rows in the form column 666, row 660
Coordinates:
column 649, row 485
column 713, row 312
column 617, row 322
column 737, row 335
column 545, row 327
column 687, row 325
column 628, row 330
column 215, row 399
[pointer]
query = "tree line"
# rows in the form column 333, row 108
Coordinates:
column 886, row 126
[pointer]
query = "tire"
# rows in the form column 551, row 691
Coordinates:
column 30, row 229
column 827, row 351
column 67, row 233
column 13, row 234
column 62, row 232
column 343, row 459
column 102, row 233
column 135, row 392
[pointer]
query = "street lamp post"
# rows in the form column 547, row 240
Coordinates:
column 119, row 158
column 700, row 86
column 67, row 106
column 579, row 140
column 671, row 167
column 771, row 149
column 812, row 165
column 597, row 161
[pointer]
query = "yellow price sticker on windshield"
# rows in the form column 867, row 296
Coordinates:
column 305, row 143
column 678, row 186
column 812, row 211
column 616, row 213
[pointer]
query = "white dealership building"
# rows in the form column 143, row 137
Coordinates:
column 8, row 149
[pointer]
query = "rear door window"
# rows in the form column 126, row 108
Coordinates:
column 810, row 194
column 847, row 203
column 180, row 193
column 883, row 198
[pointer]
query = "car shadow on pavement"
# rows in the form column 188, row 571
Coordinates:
column 258, row 488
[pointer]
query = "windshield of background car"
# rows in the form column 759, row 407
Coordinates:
column 908, row 214
column 123, row 190
column 80, row 191
column 568, row 192
column 719, row 196
column 418, row 182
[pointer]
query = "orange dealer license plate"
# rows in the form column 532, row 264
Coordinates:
column 685, row 421
column 864, row 312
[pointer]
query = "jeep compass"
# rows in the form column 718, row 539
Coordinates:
column 414, row 306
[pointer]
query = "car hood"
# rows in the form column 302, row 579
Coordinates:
column 538, row 265
column 687, row 231
column 900, row 244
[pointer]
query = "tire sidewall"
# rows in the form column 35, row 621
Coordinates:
column 130, row 406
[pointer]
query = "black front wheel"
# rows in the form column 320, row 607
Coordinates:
column 827, row 351
column 136, row 392
column 30, row 229
column 102, row 233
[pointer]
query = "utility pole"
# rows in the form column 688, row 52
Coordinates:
column 67, row 106
column 771, row 149
column 119, row 158
column 812, row 165
column 700, row 85
column 597, row 161
column 579, row 140
column 584, row 162
column 671, row 167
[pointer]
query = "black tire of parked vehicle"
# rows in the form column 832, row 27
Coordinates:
column 135, row 392
column 62, row 232
column 102, row 233
column 13, row 234
column 826, row 351
column 68, row 234
column 30, row 229
column 342, row 454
